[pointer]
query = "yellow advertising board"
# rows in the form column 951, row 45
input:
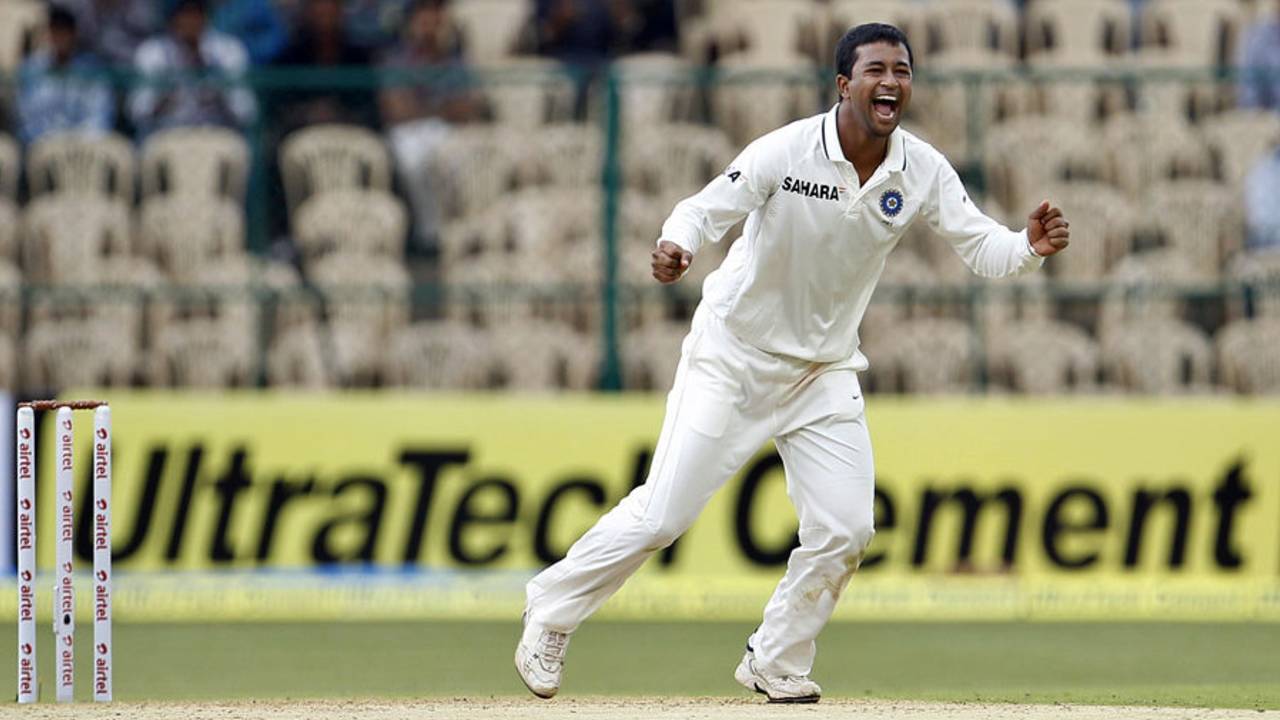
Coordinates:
column 987, row 507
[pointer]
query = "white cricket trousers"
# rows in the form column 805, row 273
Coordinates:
column 728, row 399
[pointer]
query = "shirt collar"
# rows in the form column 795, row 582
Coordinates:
column 895, row 160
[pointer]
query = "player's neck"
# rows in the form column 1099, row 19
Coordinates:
column 860, row 147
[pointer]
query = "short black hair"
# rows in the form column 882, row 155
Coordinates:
column 60, row 18
column 868, row 34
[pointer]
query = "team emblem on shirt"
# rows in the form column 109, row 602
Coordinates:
column 891, row 203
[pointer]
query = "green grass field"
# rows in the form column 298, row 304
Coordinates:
column 1219, row 665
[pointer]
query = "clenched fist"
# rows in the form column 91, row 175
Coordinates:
column 1047, row 230
column 670, row 261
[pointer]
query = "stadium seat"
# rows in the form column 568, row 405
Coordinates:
column 1047, row 358
column 1257, row 275
column 202, row 353
column 1076, row 34
column 1141, row 149
column 1158, row 357
column 927, row 356
column 76, row 353
column 531, row 92
column 351, row 222
column 972, row 34
column 438, row 355
column 10, row 166
column 641, row 215
column 366, row 301
column 1249, row 356
column 655, row 88
column 8, row 363
column 489, row 289
column 1080, row 34
column 566, row 154
column 895, row 300
column 1025, row 349
column 751, row 97
column 1238, row 139
column 104, row 313
column 321, row 158
column 66, row 239
column 548, row 224
column 477, row 164
column 906, row 16
column 650, row 355
column 287, row 304
column 82, row 164
column 473, row 236
column 542, row 356
column 685, row 156
column 1143, row 287
column 1200, row 218
column 182, row 233
column 1188, row 34
column 1005, row 302
column 1063, row 150
column 296, row 359
column 776, row 30
column 490, row 29
column 770, row 31
column 204, row 161
column 977, row 36
column 10, row 302
column 121, row 299
column 21, row 23
column 9, row 233
column 1103, row 224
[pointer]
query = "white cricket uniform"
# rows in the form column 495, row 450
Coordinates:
column 773, row 353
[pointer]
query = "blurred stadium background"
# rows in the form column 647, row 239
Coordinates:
column 367, row 286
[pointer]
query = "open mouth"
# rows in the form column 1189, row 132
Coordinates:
column 885, row 106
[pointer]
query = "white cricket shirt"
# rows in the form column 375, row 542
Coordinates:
column 798, row 281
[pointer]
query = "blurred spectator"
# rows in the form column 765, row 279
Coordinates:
column 645, row 25
column 580, row 32
column 114, row 29
column 322, row 41
column 418, row 111
column 1262, row 212
column 375, row 24
column 59, row 88
column 190, row 47
column 256, row 24
column 1260, row 58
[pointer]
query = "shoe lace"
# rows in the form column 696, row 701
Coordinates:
column 551, row 646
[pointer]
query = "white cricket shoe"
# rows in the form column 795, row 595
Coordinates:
column 778, row 688
column 540, row 659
